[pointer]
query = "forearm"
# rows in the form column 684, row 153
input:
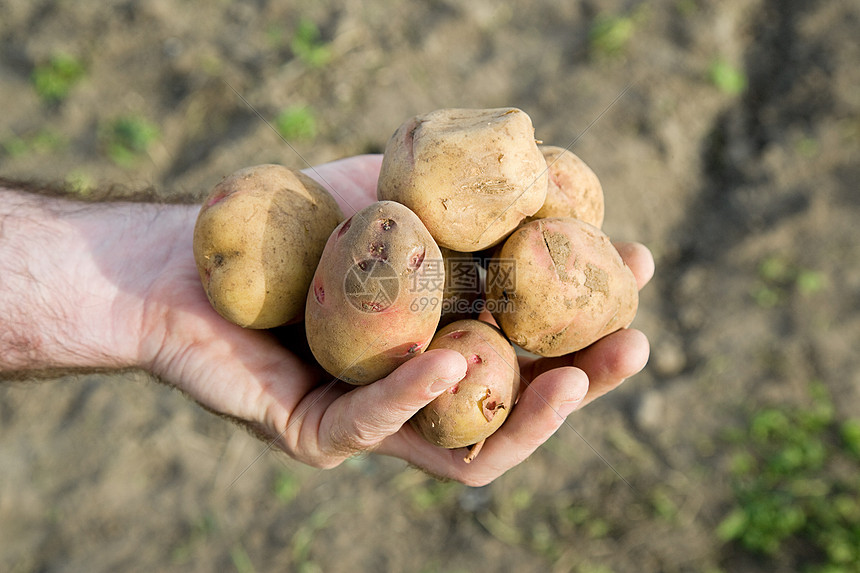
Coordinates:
column 74, row 278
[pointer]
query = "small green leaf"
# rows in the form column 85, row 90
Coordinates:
column 54, row 79
column 810, row 282
column 850, row 431
column 733, row 525
column 128, row 137
column 775, row 269
column 769, row 423
column 286, row 487
column 727, row 78
column 241, row 560
column 308, row 46
column 742, row 464
column 297, row 122
column 610, row 35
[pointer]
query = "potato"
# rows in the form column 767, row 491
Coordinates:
column 471, row 175
column 573, row 189
column 375, row 300
column 257, row 240
column 462, row 286
column 475, row 408
column 558, row 285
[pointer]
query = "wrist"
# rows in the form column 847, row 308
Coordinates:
column 74, row 278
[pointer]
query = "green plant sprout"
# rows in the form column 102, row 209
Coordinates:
column 287, row 487
column 795, row 480
column 297, row 122
column 43, row 141
column 241, row 560
column 433, row 495
column 54, row 79
column 778, row 278
column 726, row 77
column 127, row 137
column 609, row 35
column 308, row 46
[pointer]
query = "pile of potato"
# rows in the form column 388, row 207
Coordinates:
column 459, row 185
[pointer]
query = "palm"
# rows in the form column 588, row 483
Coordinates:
column 351, row 181
column 265, row 380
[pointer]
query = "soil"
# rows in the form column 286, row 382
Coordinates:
column 718, row 178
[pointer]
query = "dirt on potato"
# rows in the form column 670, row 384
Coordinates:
column 726, row 138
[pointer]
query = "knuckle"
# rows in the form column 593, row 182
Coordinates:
column 359, row 436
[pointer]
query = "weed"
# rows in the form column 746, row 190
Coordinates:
column 54, row 79
column 308, row 46
column 302, row 540
column 808, row 147
column 434, row 494
column 286, row 487
column 576, row 515
column 241, row 560
column 850, row 432
column 521, row 498
column 43, row 141
column 297, row 122
column 200, row 534
column 809, row 282
column 663, row 504
column 778, row 278
column 127, row 137
column 14, row 146
column 794, row 477
column 726, row 77
column 609, row 35
column 686, row 7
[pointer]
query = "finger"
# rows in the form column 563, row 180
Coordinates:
column 360, row 419
column 485, row 316
column 640, row 260
column 348, row 178
column 540, row 411
column 611, row 360
column 607, row 362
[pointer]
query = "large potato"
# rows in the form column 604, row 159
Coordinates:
column 375, row 300
column 558, row 285
column 476, row 407
column 471, row 175
column 573, row 189
column 257, row 241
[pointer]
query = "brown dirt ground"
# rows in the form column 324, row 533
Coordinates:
column 118, row 473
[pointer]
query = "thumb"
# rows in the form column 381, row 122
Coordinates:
column 360, row 419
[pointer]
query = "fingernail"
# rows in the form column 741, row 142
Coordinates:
column 567, row 407
column 442, row 384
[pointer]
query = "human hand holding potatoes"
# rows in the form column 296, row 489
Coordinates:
column 268, row 381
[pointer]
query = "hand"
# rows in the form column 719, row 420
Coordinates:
column 254, row 377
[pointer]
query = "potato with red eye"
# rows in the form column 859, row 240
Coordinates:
column 573, row 189
column 477, row 406
column 471, row 175
column 258, row 238
column 564, row 287
column 376, row 297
